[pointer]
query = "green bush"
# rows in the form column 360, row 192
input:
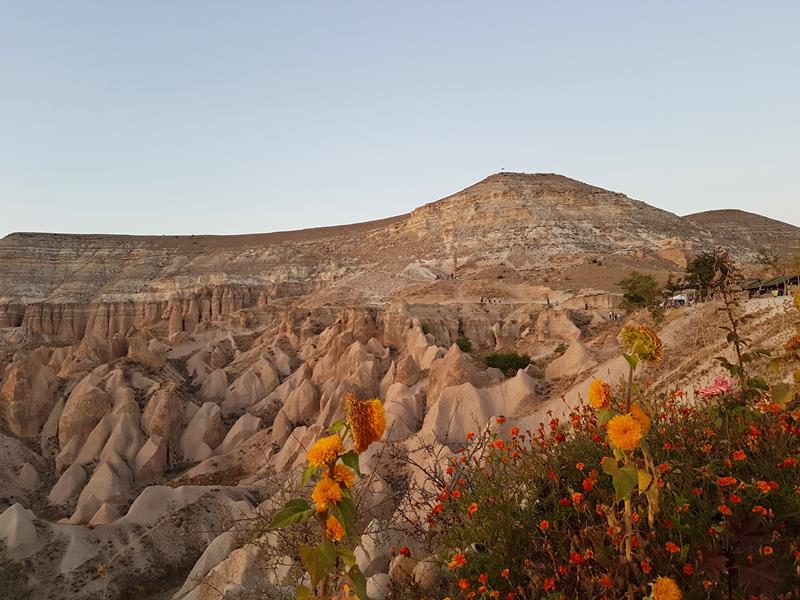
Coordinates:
column 464, row 343
column 508, row 362
column 561, row 348
column 426, row 329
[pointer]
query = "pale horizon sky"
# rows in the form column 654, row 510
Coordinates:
column 196, row 117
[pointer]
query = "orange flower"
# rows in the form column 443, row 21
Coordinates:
column 767, row 550
column 672, row 548
column 576, row 558
column 343, row 475
column 688, row 569
column 739, row 455
column 641, row 418
column 470, row 435
column 544, row 524
column 599, row 394
column 333, row 529
column 764, row 486
column 735, row 499
column 760, row 510
column 325, row 492
column 459, row 560
column 665, row 588
column 724, row 510
column 500, row 420
column 463, row 584
column 504, row 573
column 367, row 421
column 726, row 481
column 483, row 577
column 472, row 509
column 624, row 432
column 514, row 431
column 577, row 498
column 549, row 584
column 580, row 466
column 325, row 451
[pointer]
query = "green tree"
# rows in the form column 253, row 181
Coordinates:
column 639, row 290
column 703, row 268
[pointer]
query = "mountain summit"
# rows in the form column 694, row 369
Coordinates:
column 529, row 223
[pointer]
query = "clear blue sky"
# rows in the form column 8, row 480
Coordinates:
column 227, row 117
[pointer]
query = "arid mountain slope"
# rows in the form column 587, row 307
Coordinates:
column 761, row 233
column 520, row 221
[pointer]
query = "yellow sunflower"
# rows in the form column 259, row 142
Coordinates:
column 333, row 529
column 599, row 394
column 325, row 451
column 665, row 588
column 325, row 492
column 343, row 475
column 643, row 342
column 367, row 421
column 641, row 418
column 624, row 432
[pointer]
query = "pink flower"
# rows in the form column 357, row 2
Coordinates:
column 718, row 388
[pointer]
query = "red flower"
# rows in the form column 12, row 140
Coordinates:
column 726, row 481
column 501, row 420
column 483, row 577
column 549, row 584
column 688, row 569
column 646, row 568
column 735, row 499
column 504, row 573
column 564, row 502
column 576, row 558
column 544, row 524
column 760, row 510
column 463, row 584
column 405, row 551
column 605, row 581
column 764, row 486
column 472, row 509
column 739, row 455
column 724, row 510
column 672, row 548
column 588, row 484
column 470, row 435
column 514, row 431
column 766, row 550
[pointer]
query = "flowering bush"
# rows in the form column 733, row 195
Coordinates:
column 631, row 497
column 331, row 564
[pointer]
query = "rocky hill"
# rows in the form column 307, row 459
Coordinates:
column 755, row 231
column 533, row 226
